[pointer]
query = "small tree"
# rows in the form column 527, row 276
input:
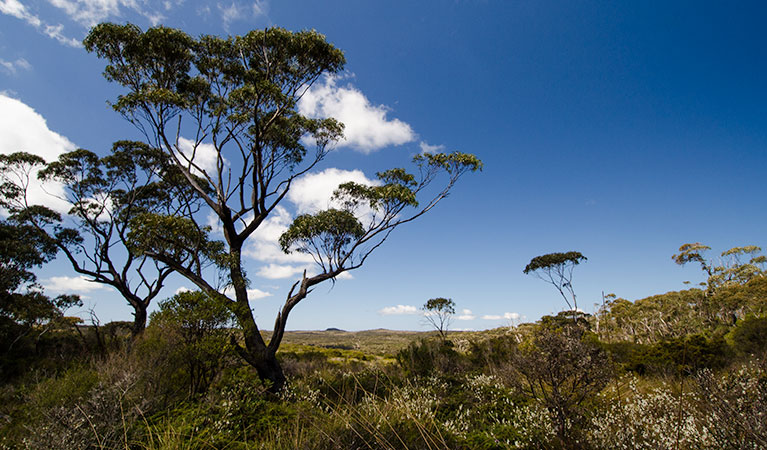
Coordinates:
column 563, row 371
column 198, row 325
column 439, row 313
column 557, row 270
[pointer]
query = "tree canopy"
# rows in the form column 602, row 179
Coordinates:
column 439, row 313
column 557, row 270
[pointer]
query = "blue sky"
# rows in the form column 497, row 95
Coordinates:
column 621, row 130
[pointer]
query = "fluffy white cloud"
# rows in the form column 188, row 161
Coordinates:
column 204, row 156
column 71, row 285
column 90, row 12
column 399, row 310
column 511, row 316
column 367, row 127
column 181, row 290
column 466, row 314
column 13, row 67
column 278, row 271
column 18, row 10
column 426, row 148
column 253, row 294
column 263, row 245
column 24, row 130
column 313, row 191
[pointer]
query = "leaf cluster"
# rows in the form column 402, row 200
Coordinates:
column 552, row 260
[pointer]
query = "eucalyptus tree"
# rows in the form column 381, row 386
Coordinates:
column 735, row 266
column 105, row 195
column 439, row 313
column 225, row 111
column 557, row 270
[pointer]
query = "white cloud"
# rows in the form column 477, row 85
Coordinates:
column 466, row 314
column 90, row 12
column 263, row 245
column 345, row 276
column 367, row 127
column 13, row 67
column 507, row 316
column 236, row 10
column 181, row 290
column 24, row 130
column 278, row 271
column 74, row 285
column 204, row 156
column 399, row 310
column 17, row 9
column 312, row 192
column 426, row 148
column 57, row 32
column 260, row 8
column 253, row 294
column 230, row 13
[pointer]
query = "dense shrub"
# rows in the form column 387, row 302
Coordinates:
column 684, row 355
column 749, row 336
column 431, row 356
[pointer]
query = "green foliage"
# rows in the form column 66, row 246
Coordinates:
column 193, row 326
column 557, row 270
column 563, row 369
column 178, row 239
column 736, row 266
column 439, row 313
column 326, row 233
column 749, row 336
column 552, row 260
column 427, row 357
column 682, row 355
column 26, row 314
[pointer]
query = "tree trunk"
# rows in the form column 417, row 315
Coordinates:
column 256, row 353
column 269, row 368
column 139, row 320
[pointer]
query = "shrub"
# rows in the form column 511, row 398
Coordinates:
column 684, row 355
column 749, row 337
column 428, row 356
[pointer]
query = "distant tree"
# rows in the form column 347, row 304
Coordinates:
column 439, row 313
column 737, row 265
column 238, row 98
column 106, row 194
column 557, row 269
